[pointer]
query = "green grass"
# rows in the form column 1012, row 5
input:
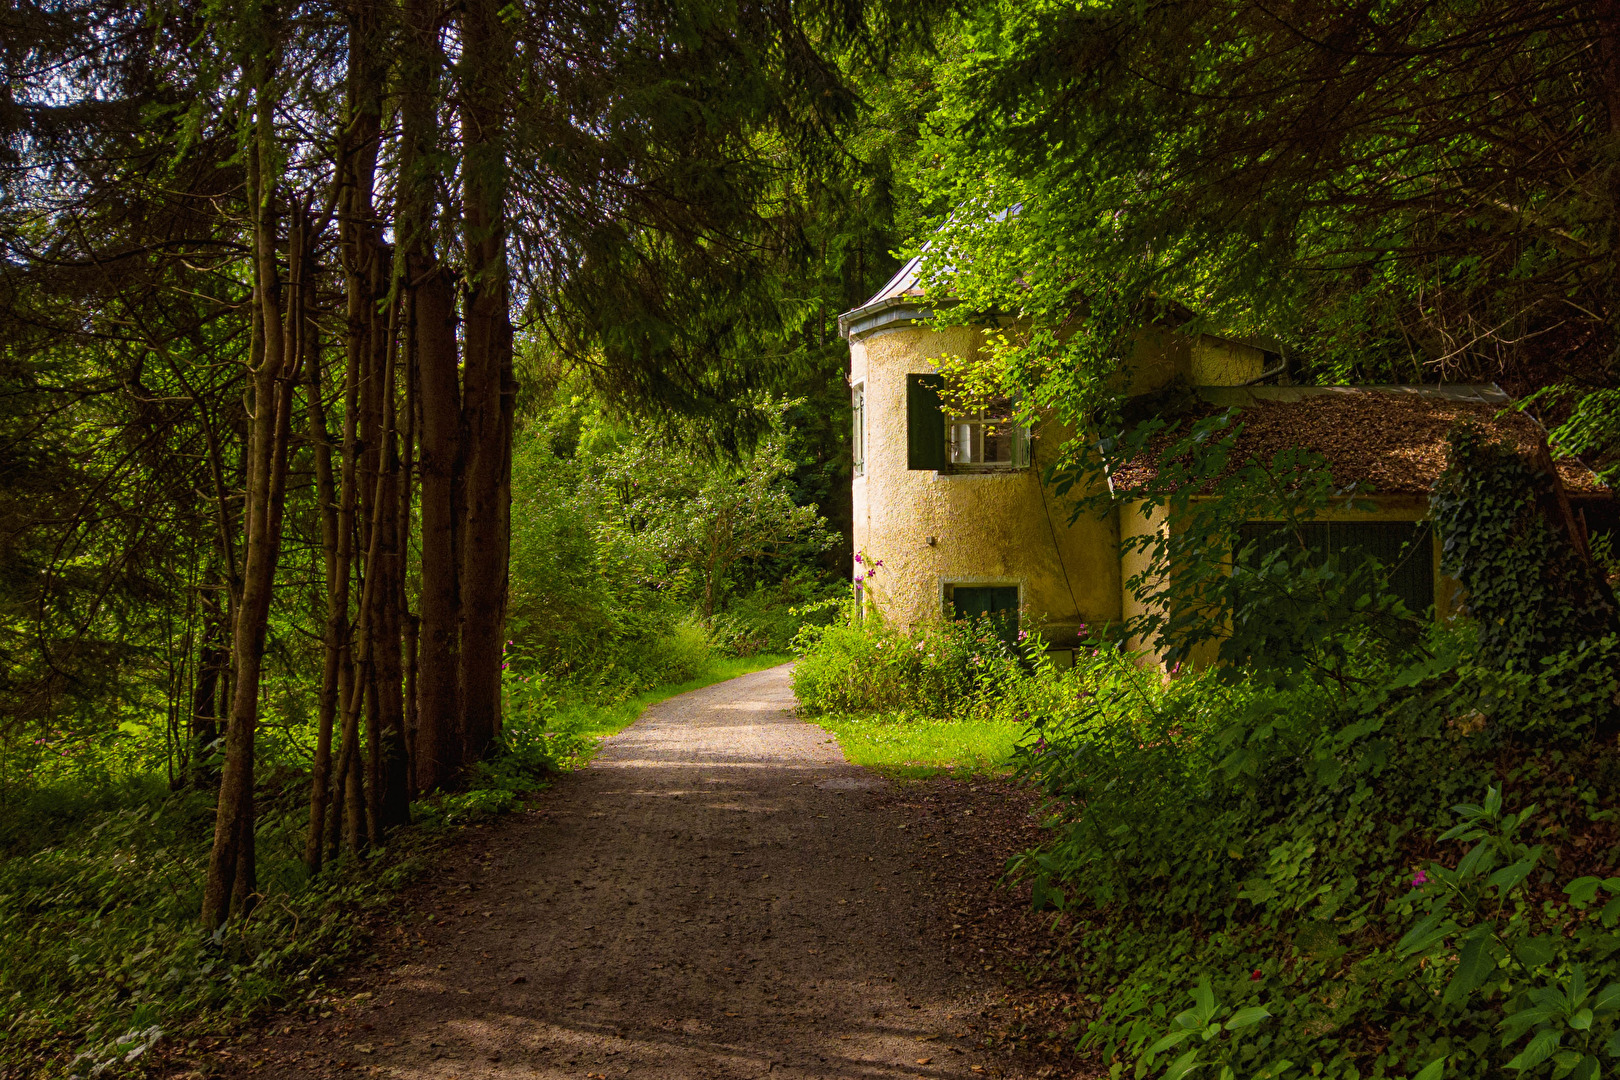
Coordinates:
column 909, row 747
column 600, row 721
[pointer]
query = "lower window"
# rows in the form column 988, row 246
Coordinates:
column 997, row 604
column 1405, row 549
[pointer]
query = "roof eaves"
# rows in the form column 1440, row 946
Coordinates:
column 891, row 311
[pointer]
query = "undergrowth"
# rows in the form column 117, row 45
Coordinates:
column 912, row 705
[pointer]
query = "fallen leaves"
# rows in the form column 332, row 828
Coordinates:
column 978, row 919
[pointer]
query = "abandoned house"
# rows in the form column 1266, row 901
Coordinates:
column 955, row 508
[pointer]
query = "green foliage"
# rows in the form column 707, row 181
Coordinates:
column 101, row 953
column 1103, row 164
column 862, row 667
column 1264, row 837
column 1529, row 591
column 1281, row 612
column 1206, row 1021
column 767, row 618
column 634, row 555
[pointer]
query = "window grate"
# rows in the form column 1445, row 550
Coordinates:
column 1404, row 548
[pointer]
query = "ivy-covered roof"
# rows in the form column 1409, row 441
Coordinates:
column 1389, row 439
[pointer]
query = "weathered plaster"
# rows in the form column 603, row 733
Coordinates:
column 1001, row 528
column 986, row 528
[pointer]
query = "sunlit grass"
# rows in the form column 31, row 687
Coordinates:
column 908, row 747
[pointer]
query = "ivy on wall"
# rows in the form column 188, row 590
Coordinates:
column 1529, row 589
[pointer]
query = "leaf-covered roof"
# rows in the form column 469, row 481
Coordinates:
column 1389, row 439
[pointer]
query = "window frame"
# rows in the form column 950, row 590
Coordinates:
column 929, row 430
column 1018, row 434
column 857, row 408
column 1414, row 569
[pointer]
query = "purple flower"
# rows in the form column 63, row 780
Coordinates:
column 857, row 556
column 1419, row 879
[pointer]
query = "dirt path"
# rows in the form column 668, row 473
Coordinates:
column 719, row 895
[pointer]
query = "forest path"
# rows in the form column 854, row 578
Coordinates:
column 718, row 895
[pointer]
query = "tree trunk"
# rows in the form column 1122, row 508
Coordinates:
column 372, row 328
column 437, row 750
column 212, row 660
column 487, row 397
column 410, row 627
column 231, row 883
column 335, row 556
column 438, row 740
column 346, row 526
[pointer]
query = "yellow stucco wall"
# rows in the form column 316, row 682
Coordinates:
column 1160, row 355
column 933, row 529
column 999, row 528
column 1134, row 523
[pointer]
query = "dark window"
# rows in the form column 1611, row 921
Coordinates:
column 1405, row 548
column 998, row 603
column 925, row 423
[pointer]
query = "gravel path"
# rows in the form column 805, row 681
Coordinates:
column 718, row 895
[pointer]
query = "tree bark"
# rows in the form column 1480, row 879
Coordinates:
column 391, row 782
column 410, row 624
column 437, row 750
column 335, row 557
column 231, row 883
column 344, row 775
column 439, row 740
column 487, row 381
column 372, row 328
column 212, row 660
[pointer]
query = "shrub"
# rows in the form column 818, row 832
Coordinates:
column 768, row 618
column 944, row 669
column 1264, row 836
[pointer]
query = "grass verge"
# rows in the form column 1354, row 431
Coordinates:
column 905, row 747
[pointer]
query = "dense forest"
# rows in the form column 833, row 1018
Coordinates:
column 396, row 396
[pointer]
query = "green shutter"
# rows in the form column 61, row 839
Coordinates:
column 925, row 423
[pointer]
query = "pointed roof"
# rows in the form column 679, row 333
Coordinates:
column 896, row 302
